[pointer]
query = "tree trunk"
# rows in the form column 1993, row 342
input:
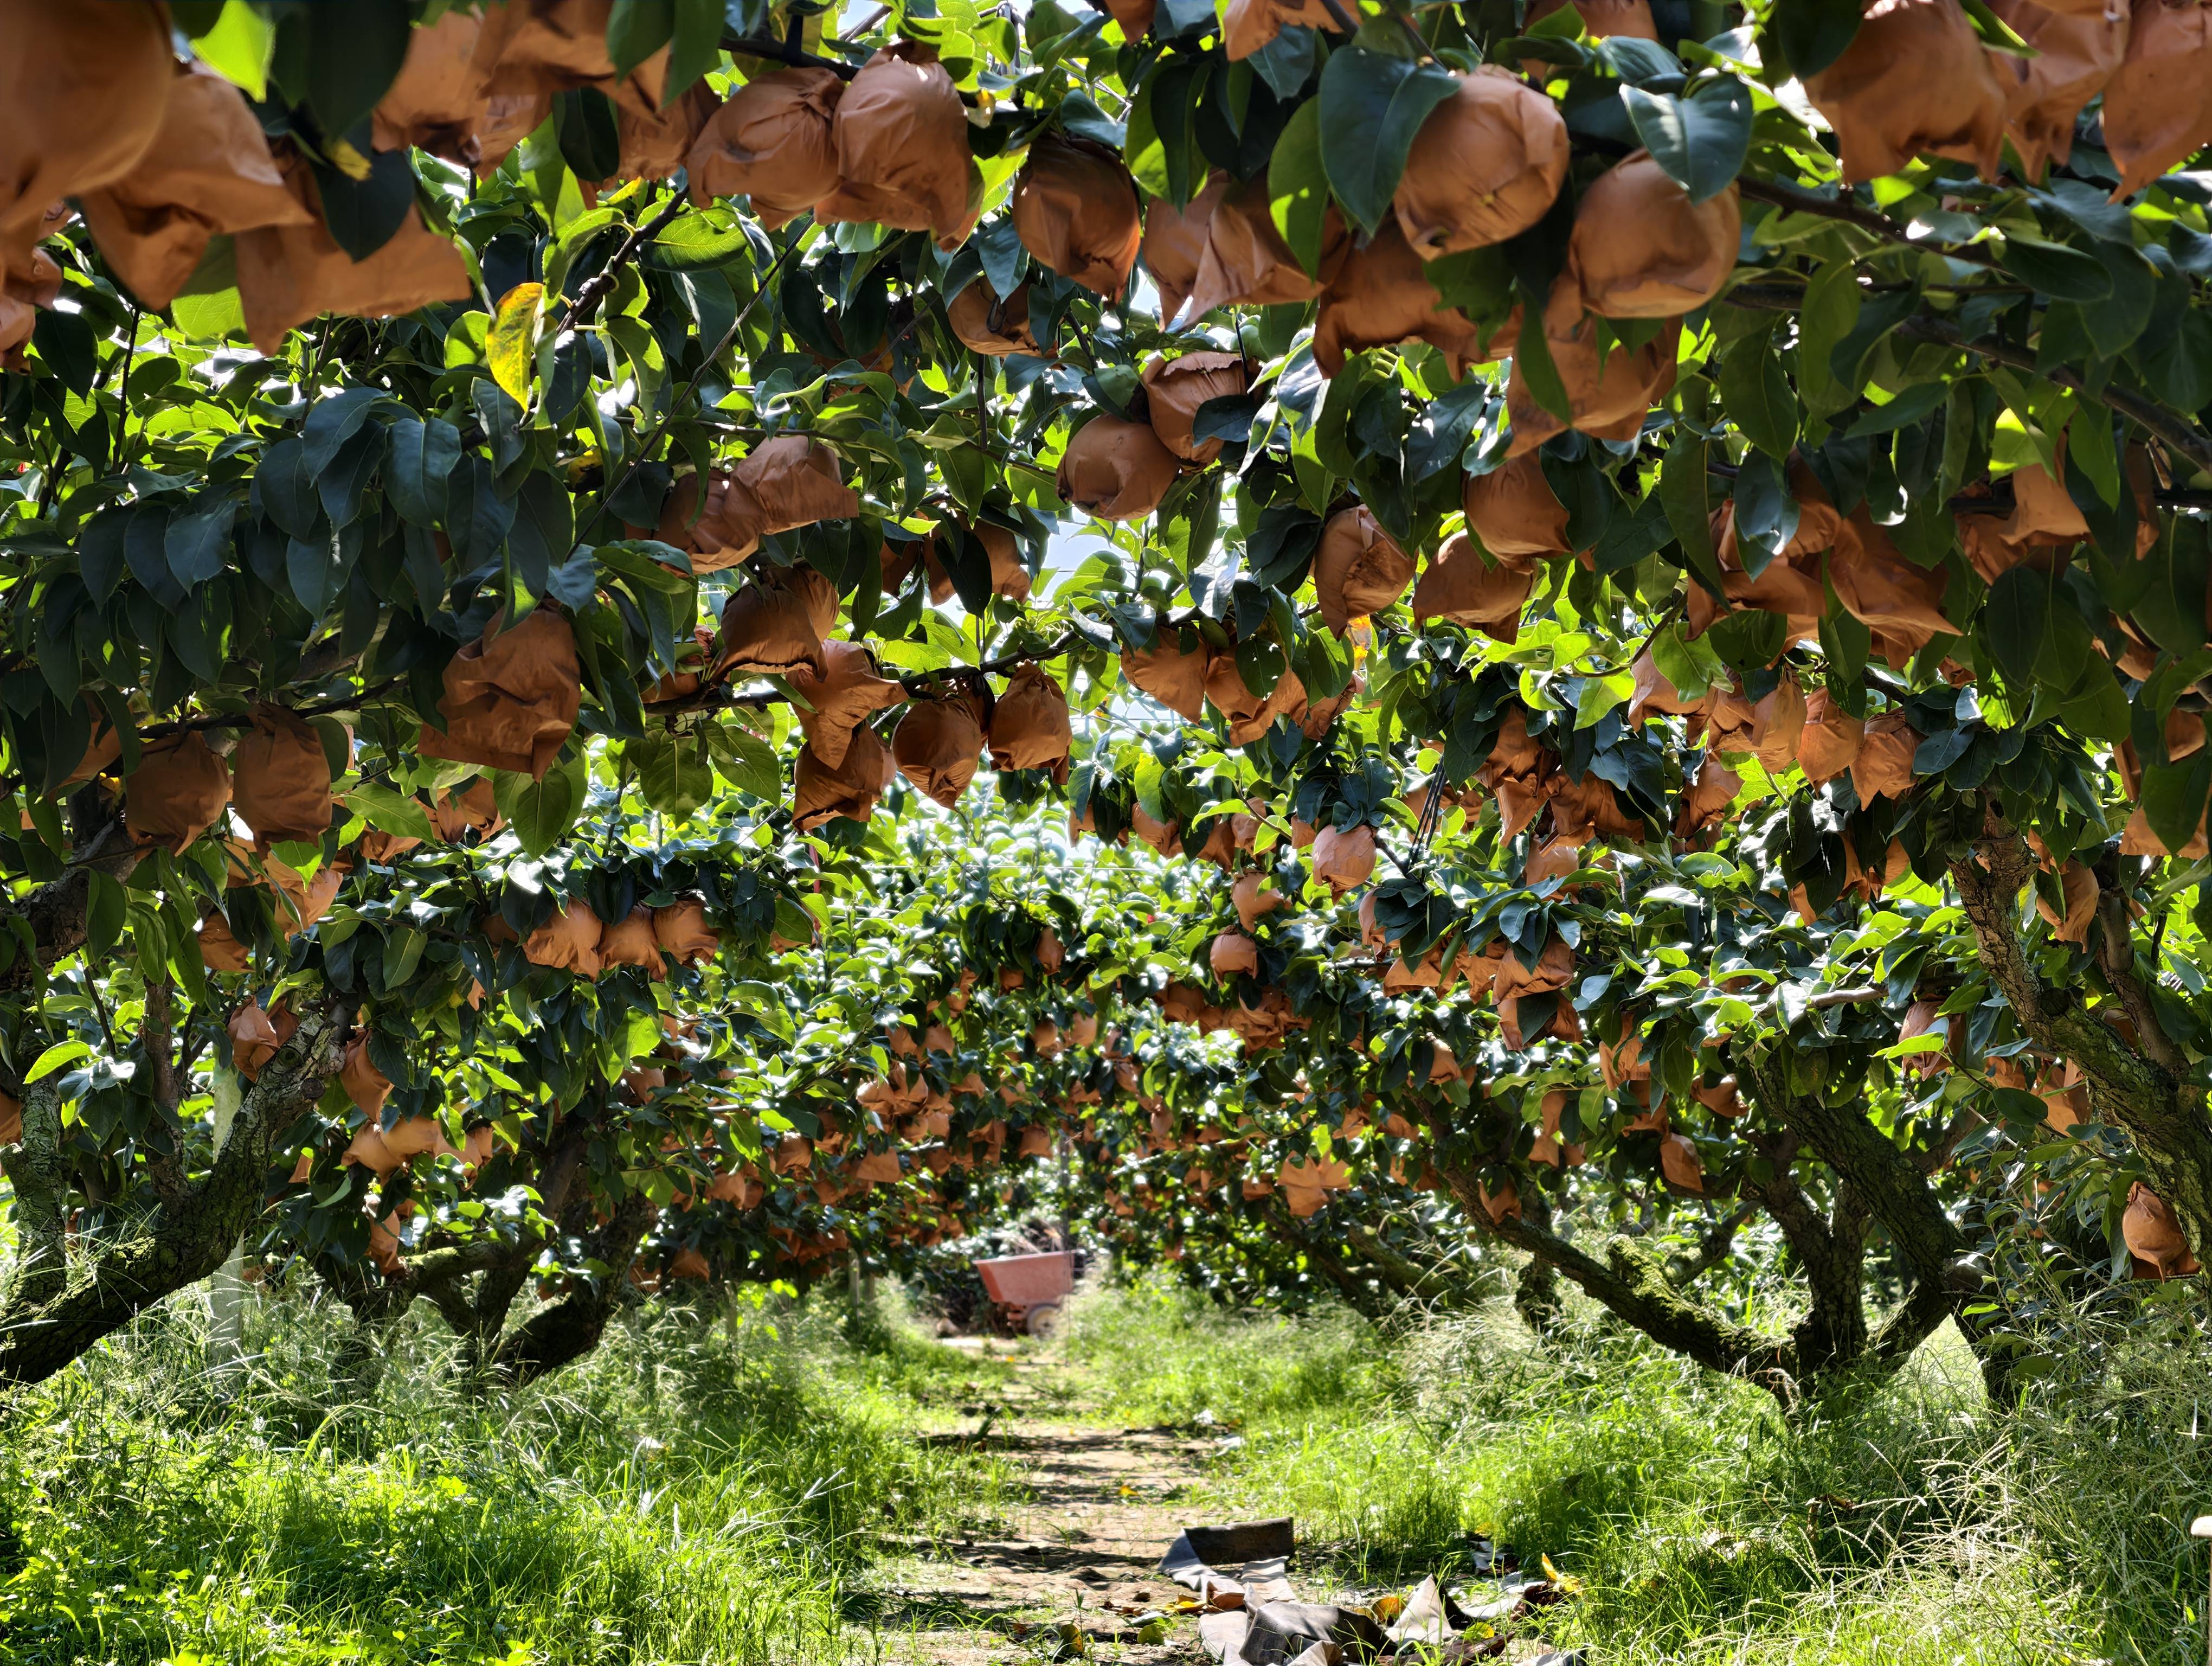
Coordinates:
column 571, row 1327
column 177, row 1243
column 1886, row 1183
column 2138, row 1087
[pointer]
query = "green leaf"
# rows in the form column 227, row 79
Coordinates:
column 71, row 351
column 1163, row 149
column 198, row 544
column 512, row 345
column 1756, row 393
column 354, row 51
column 1812, row 33
column 1532, row 363
column 403, row 952
column 2062, row 273
column 1829, row 313
column 541, row 811
column 2173, row 798
column 1701, row 140
column 2089, row 446
column 636, row 29
column 1683, row 495
column 587, row 131
column 745, row 760
column 60, row 1053
column 1372, row 106
column 106, row 908
column 2015, row 619
column 422, row 453
column 1260, row 663
column 1298, row 189
column 363, row 213
column 674, row 775
column 389, row 812
column 695, row 46
column 238, row 47
column 2171, row 610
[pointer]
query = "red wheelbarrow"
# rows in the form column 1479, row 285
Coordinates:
column 1028, row 1290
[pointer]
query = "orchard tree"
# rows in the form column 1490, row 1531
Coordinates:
column 1589, row 484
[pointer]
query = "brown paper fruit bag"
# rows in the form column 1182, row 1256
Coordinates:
column 179, row 789
column 1115, row 469
column 281, row 777
column 1915, row 80
column 1075, row 210
column 1484, row 165
column 938, row 744
column 1358, row 569
column 511, row 697
column 772, row 142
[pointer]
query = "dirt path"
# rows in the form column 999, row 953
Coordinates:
column 1103, row 1505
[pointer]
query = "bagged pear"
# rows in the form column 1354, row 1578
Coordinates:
column 1172, row 671
column 1175, row 242
column 568, row 941
column 1249, row 26
column 1641, row 248
column 1460, row 587
column 1075, row 210
column 1358, row 569
column 901, row 141
column 1246, row 263
column 1610, row 388
column 1030, row 728
column 771, row 142
column 1179, row 388
column 849, row 790
column 292, row 272
column 988, row 325
column 846, row 696
column 511, row 697
column 179, row 789
column 1484, row 165
column 1379, row 297
column 795, row 482
column 1515, row 512
column 1915, row 80
column 281, row 777
column 938, row 744
column 83, row 90
column 2157, row 106
column 2075, row 57
column 775, row 623
column 1115, row 469
column 208, row 170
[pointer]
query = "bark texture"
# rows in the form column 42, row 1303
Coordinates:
column 46, row 1322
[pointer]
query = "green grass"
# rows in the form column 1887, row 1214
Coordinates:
column 699, row 1489
column 738, row 1486
column 1908, row 1525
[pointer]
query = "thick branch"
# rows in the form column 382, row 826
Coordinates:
column 56, row 911
column 570, row 1328
column 180, row 1244
column 38, row 1171
column 1633, row 1287
column 2127, row 1087
column 2116, row 957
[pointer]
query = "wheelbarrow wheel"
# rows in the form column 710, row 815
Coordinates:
column 1042, row 1321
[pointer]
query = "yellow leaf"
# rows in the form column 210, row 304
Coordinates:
column 347, row 161
column 513, row 342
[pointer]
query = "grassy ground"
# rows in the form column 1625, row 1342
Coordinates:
column 720, row 1486
column 699, row 1489
column 1909, row 1525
